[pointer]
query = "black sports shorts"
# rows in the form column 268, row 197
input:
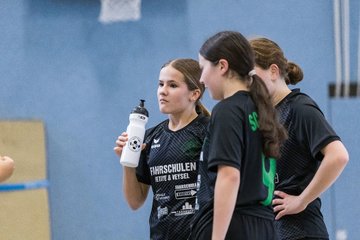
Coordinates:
column 242, row 227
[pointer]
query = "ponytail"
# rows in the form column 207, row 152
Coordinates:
column 201, row 109
column 272, row 131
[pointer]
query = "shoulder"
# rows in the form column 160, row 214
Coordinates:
column 150, row 132
column 235, row 103
column 232, row 112
column 223, row 110
column 198, row 126
column 303, row 104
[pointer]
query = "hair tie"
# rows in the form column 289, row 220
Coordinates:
column 252, row 73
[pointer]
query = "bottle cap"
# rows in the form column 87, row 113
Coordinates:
column 141, row 109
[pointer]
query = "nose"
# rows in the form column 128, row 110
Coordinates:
column 162, row 90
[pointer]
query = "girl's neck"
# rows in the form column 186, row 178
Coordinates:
column 181, row 120
column 280, row 94
column 232, row 86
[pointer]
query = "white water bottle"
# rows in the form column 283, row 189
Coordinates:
column 136, row 131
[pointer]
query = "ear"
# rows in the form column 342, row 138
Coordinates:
column 195, row 94
column 223, row 65
column 274, row 71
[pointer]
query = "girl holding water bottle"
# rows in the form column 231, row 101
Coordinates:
column 169, row 160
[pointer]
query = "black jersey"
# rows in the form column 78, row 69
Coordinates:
column 170, row 165
column 233, row 139
column 308, row 132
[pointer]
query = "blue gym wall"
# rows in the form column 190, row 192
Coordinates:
column 60, row 65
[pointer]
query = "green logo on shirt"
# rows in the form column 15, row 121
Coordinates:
column 253, row 119
column 268, row 178
column 191, row 148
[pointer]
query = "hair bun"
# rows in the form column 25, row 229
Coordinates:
column 294, row 73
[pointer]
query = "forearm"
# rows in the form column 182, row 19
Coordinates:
column 334, row 162
column 134, row 191
column 226, row 190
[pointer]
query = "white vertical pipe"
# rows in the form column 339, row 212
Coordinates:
column 346, row 46
column 338, row 67
column 338, row 73
column 358, row 67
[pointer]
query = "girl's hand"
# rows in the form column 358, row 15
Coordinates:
column 120, row 143
column 7, row 167
column 287, row 204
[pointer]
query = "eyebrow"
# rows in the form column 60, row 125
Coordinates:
column 170, row 81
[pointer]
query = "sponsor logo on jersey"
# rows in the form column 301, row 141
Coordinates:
column 185, row 194
column 161, row 196
column 156, row 143
column 186, row 209
column 185, row 191
column 162, row 211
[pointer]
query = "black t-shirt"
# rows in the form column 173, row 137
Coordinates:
column 308, row 132
column 169, row 163
column 233, row 139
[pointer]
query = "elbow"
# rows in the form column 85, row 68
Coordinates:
column 344, row 158
column 134, row 202
column 134, row 205
column 338, row 154
column 340, row 160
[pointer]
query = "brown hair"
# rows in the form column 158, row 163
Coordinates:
column 191, row 70
column 268, row 52
column 235, row 48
